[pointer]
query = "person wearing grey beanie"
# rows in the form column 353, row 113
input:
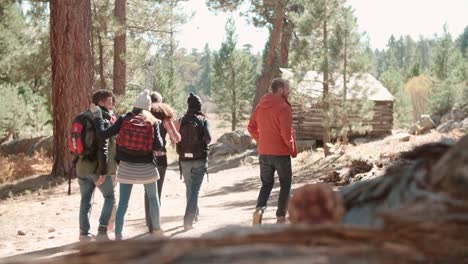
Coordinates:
column 138, row 140
column 143, row 101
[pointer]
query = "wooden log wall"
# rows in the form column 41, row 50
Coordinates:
column 307, row 121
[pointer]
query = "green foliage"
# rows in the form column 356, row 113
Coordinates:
column 450, row 71
column 463, row 40
column 233, row 79
column 439, row 58
column 24, row 69
column 22, row 112
column 204, row 82
column 394, row 82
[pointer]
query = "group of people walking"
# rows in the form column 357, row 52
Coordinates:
column 131, row 149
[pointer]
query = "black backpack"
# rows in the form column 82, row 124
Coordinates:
column 83, row 137
column 191, row 131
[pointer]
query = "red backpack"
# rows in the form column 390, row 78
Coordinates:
column 136, row 134
column 83, row 138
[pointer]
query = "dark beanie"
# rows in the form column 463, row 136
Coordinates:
column 194, row 102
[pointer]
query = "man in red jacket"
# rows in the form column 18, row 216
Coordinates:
column 271, row 126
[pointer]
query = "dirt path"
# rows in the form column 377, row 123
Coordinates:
column 49, row 219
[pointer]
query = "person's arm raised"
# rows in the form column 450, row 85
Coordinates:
column 101, row 131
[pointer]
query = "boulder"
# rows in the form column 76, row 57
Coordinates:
column 445, row 118
column 463, row 125
column 220, row 149
column 238, row 140
column 424, row 124
column 447, row 126
column 436, row 119
column 402, row 136
column 232, row 143
column 458, row 114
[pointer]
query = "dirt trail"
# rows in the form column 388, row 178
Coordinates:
column 50, row 219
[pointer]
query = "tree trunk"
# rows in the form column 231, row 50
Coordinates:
column 120, row 48
column 268, row 71
column 325, row 100
column 234, row 99
column 102, row 78
column 72, row 71
column 286, row 37
column 345, row 138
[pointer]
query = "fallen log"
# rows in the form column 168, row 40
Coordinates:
column 416, row 213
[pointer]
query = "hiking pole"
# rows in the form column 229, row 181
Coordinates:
column 70, row 172
column 69, row 178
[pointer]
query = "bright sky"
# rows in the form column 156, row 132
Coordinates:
column 379, row 18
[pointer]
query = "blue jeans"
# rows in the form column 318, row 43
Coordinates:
column 268, row 165
column 193, row 172
column 125, row 191
column 87, row 188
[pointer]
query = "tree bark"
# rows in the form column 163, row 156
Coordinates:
column 234, row 99
column 345, row 138
column 72, row 71
column 120, row 48
column 286, row 37
column 102, row 78
column 268, row 70
column 325, row 99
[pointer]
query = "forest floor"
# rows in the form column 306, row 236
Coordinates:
column 48, row 219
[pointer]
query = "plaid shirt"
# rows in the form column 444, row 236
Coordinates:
column 172, row 132
column 136, row 134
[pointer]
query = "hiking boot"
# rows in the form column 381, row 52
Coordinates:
column 281, row 219
column 257, row 217
column 102, row 234
column 158, row 233
column 85, row 238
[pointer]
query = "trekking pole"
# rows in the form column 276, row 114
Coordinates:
column 70, row 174
column 69, row 178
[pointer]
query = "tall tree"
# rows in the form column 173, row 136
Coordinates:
column 120, row 48
column 270, row 13
column 450, row 71
column 101, row 18
column 233, row 78
column 464, row 42
column 72, row 71
column 316, row 26
column 204, row 83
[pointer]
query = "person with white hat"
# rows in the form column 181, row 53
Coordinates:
column 137, row 141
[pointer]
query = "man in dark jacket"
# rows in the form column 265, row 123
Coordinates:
column 93, row 173
column 271, row 126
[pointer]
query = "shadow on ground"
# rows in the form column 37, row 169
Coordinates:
column 34, row 183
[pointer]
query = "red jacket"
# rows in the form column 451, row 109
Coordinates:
column 271, row 126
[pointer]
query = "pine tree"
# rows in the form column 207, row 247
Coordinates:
column 72, row 71
column 204, row 83
column 449, row 68
column 315, row 26
column 233, row 79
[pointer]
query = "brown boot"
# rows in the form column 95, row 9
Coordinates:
column 257, row 217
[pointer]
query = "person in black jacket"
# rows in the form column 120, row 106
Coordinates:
column 193, row 155
column 95, row 173
column 138, row 139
